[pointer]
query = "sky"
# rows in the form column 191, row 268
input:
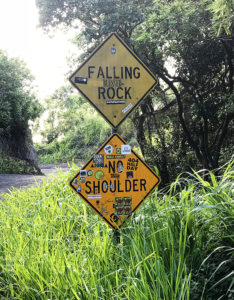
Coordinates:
column 45, row 56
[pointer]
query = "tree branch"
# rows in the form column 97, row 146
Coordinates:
column 190, row 140
column 221, row 138
column 158, row 112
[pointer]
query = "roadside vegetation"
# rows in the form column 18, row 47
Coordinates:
column 179, row 245
column 19, row 105
column 11, row 165
column 187, row 120
column 72, row 129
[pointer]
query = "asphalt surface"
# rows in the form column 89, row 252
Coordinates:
column 8, row 181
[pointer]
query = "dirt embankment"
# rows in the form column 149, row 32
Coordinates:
column 7, row 181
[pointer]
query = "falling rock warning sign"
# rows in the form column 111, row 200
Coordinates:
column 115, row 182
column 114, row 80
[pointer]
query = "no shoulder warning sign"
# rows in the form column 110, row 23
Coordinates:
column 115, row 181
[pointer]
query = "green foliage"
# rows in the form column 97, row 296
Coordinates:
column 18, row 106
column 179, row 34
column 109, row 15
column 179, row 245
column 176, row 40
column 60, row 114
column 58, row 152
column 10, row 165
column 223, row 14
column 72, row 129
column 18, row 101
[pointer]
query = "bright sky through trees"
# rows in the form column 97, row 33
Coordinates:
column 44, row 56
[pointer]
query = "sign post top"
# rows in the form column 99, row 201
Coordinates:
column 115, row 181
column 114, row 80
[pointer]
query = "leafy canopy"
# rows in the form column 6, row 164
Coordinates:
column 18, row 101
column 197, row 94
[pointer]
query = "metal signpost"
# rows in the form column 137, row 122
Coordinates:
column 115, row 181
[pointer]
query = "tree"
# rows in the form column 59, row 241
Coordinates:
column 61, row 108
column 203, row 82
column 18, row 101
column 223, row 15
column 196, row 95
column 18, row 105
column 71, row 127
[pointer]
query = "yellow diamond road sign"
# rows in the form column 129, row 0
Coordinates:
column 115, row 182
column 114, row 80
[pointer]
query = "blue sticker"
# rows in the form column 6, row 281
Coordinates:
column 79, row 189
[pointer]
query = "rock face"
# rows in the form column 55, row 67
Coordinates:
column 31, row 155
column 20, row 148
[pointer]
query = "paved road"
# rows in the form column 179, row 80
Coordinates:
column 7, row 181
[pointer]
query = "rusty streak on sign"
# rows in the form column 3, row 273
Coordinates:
column 115, row 181
column 114, row 80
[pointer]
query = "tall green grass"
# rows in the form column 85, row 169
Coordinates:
column 179, row 245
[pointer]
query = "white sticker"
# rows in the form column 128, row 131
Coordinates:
column 108, row 149
column 127, row 108
column 94, row 196
column 125, row 149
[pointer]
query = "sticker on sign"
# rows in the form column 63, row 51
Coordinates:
column 125, row 149
column 83, row 173
column 108, row 149
column 127, row 108
column 94, row 196
column 98, row 158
